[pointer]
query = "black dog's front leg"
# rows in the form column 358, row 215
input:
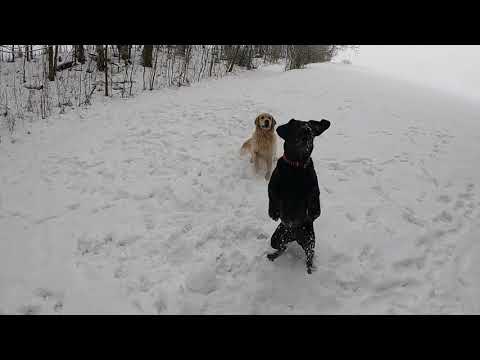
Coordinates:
column 313, row 206
column 313, row 201
column 274, row 209
column 273, row 197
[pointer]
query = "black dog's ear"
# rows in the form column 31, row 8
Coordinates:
column 319, row 127
column 283, row 130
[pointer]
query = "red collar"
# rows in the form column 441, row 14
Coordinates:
column 296, row 163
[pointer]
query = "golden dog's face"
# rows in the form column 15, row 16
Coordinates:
column 265, row 121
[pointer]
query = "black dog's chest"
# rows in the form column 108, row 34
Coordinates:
column 295, row 184
column 295, row 190
column 296, row 180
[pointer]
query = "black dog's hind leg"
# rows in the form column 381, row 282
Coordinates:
column 279, row 242
column 309, row 252
column 275, row 254
column 308, row 245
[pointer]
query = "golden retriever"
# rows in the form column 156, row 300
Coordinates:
column 262, row 145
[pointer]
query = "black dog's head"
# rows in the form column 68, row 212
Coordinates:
column 299, row 135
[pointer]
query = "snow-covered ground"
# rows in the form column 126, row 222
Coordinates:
column 143, row 205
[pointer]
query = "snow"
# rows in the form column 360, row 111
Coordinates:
column 449, row 68
column 143, row 205
column 203, row 280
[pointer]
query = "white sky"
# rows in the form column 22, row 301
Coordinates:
column 454, row 68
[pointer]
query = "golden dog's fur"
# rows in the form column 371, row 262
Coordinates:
column 263, row 143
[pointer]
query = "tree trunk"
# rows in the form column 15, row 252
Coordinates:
column 55, row 59
column 180, row 49
column 24, row 80
column 51, row 70
column 27, row 53
column 250, row 58
column 65, row 65
column 100, row 57
column 233, row 59
column 106, row 70
column 123, row 52
column 80, row 54
column 147, row 55
column 13, row 53
column 213, row 56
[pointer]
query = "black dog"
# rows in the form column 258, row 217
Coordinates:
column 293, row 191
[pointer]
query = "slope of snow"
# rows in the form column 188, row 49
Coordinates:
column 143, row 205
column 451, row 68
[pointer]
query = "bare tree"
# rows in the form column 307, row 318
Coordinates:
column 24, row 59
column 51, row 69
column 154, row 72
column 186, row 62
column 233, row 59
column 79, row 54
column 106, row 70
column 100, row 57
column 123, row 52
column 245, row 57
column 55, row 60
column 213, row 57
column 147, row 55
column 180, row 49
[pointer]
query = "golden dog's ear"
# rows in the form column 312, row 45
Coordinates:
column 257, row 121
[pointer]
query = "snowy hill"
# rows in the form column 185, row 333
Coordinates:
column 143, row 205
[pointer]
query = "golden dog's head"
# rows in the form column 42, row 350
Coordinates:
column 265, row 122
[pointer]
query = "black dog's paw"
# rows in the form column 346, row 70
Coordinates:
column 310, row 267
column 275, row 255
column 271, row 257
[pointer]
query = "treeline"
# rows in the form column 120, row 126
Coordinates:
column 295, row 56
column 37, row 79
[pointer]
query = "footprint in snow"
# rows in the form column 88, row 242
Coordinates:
column 350, row 217
column 444, row 216
column 444, row 199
